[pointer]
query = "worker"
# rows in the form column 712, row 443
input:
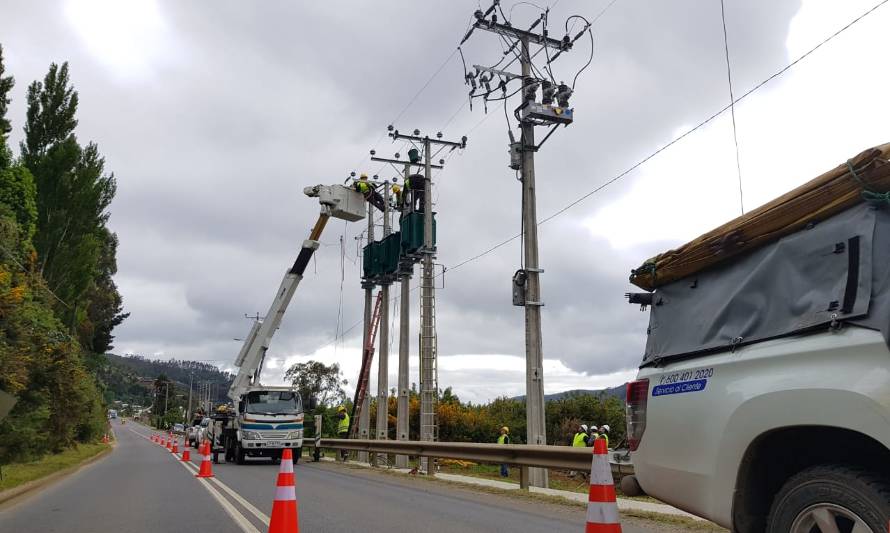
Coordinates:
column 594, row 434
column 416, row 183
column 369, row 192
column 397, row 196
column 604, row 433
column 342, row 428
column 504, row 438
column 580, row 440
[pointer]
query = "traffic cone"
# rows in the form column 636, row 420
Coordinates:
column 175, row 446
column 163, row 441
column 206, row 470
column 186, row 456
column 284, row 508
column 154, row 438
column 602, row 509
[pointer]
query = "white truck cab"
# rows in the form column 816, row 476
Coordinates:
column 763, row 399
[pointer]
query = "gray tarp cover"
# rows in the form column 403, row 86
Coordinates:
column 838, row 269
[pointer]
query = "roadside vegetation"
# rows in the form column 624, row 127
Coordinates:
column 58, row 302
column 21, row 473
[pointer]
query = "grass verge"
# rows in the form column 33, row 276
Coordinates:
column 20, row 473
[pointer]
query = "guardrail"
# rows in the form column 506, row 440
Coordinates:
column 564, row 457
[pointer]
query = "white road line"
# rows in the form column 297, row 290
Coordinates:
column 256, row 512
column 237, row 497
column 239, row 518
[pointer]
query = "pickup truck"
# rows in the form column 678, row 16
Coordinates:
column 763, row 399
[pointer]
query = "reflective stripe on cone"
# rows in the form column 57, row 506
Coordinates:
column 284, row 509
column 602, row 509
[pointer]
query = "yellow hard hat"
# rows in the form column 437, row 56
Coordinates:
column 396, row 189
column 363, row 176
column 341, row 408
column 505, row 429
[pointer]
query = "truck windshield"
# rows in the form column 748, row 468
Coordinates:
column 274, row 403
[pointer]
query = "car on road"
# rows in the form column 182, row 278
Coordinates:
column 191, row 432
column 179, row 429
column 200, row 431
column 763, row 399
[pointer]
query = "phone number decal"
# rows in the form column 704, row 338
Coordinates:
column 682, row 382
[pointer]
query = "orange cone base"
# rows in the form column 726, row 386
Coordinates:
column 186, row 456
column 284, row 517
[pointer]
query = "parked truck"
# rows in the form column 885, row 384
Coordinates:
column 763, row 399
column 264, row 420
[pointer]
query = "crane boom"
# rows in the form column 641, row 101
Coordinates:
column 336, row 201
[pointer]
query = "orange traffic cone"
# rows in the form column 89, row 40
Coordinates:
column 175, row 446
column 163, row 441
column 602, row 510
column 169, row 443
column 284, row 508
column 206, row 470
column 186, row 456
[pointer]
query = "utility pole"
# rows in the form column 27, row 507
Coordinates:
column 188, row 412
column 364, row 419
column 402, row 430
column 383, row 358
column 429, row 374
column 526, row 281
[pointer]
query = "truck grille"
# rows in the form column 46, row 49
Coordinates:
column 274, row 434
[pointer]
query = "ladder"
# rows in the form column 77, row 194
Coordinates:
column 367, row 357
column 429, row 371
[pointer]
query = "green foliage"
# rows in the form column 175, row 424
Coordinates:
column 315, row 379
column 53, row 203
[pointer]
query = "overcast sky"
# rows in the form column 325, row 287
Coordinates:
column 214, row 116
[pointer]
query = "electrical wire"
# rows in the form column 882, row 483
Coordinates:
column 642, row 161
column 735, row 136
column 590, row 58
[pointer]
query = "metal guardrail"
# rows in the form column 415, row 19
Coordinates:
column 564, row 457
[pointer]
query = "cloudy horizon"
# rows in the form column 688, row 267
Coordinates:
column 213, row 119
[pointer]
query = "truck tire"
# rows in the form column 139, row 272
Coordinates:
column 848, row 496
column 239, row 454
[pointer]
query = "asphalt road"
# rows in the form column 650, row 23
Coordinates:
column 141, row 488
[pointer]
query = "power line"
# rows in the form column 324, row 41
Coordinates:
column 648, row 157
column 735, row 136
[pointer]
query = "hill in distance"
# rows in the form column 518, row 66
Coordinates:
column 618, row 392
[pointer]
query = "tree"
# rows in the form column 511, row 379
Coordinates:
column 75, row 248
column 315, row 379
column 6, row 84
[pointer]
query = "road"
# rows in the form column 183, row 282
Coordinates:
column 141, row 488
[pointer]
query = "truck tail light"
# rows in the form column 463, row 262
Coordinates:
column 637, row 396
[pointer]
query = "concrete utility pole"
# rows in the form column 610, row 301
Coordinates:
column 188, row 412
column 429, row 373
column 404, row 352
column 527, row 285
column 364, row 419
column 536, row 432
column 383, row 358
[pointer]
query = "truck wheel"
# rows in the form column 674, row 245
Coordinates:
column 831, row 498
column 239, row 454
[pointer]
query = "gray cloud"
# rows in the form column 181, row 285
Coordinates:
column 213, row 146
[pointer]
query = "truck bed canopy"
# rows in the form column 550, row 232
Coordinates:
column 833, row 192
column 817, row 256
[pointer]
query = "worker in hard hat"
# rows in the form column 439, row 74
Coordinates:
column 581, row 438
column 368, row 190
column 397, row 196
column 604, row 433
column 416, row 183
column 504, row 438
column 342, row 428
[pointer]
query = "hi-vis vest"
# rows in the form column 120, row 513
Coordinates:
column 503, row 439
column 343, row 425
column 578, row 441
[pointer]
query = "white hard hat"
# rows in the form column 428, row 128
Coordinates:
column 606, row 427
column 584, row 427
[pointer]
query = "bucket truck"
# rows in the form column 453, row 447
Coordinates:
column 265, row 419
